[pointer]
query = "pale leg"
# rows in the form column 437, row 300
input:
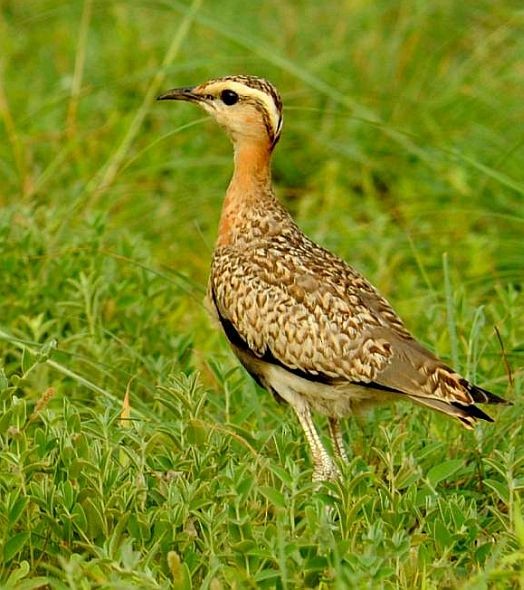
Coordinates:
column 324, row 468
column 336, row 439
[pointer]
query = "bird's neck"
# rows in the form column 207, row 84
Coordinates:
column 249, row 190
column 252, row 161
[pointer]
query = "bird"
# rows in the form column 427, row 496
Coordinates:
column 307, row 326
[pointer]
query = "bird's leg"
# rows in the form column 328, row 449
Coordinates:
column 324, row 468
column 336, row 439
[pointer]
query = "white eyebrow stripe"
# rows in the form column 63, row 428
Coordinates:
column 243, row 90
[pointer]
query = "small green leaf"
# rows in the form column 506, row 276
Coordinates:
column 16, row 510
column 28, row 361
column 95, row 520
column 68, row 494
column 457, row 514
column 15, row 545
column 482, row 553
column 276, row 497
column 197, row 434
column 4, row 383
column 442, row 535
column 244, row 547
column 499, row 488
column 443, row 471
column 5, row 420
column 47, row 349
column 268, row 575
column 518, row 522
column 17, row 575
column 118, row 531
column 79, row 517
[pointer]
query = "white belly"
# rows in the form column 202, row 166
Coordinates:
column 336, row 401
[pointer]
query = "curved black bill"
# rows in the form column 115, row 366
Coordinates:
column 179, row 94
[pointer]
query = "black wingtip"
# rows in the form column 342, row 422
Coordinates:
column 483, row 396
column 473, row 411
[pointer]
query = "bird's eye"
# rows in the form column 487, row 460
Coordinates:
column 229, row 97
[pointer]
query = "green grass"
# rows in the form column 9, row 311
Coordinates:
column 402, row 151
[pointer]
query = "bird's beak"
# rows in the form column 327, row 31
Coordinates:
column 180, row 94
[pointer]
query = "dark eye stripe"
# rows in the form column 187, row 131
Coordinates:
column 261, row 108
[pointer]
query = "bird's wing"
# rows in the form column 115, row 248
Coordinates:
column 280, row 308
column 311, row 313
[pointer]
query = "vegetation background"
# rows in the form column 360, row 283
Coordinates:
column 403, row 151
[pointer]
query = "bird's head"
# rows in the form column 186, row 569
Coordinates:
column 249, row 108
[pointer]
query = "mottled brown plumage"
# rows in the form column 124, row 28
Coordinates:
column 307, row 326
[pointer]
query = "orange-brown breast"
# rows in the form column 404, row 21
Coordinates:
column 251, row 176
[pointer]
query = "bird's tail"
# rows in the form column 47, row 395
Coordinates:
column 483, row 396
column 468, row 414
